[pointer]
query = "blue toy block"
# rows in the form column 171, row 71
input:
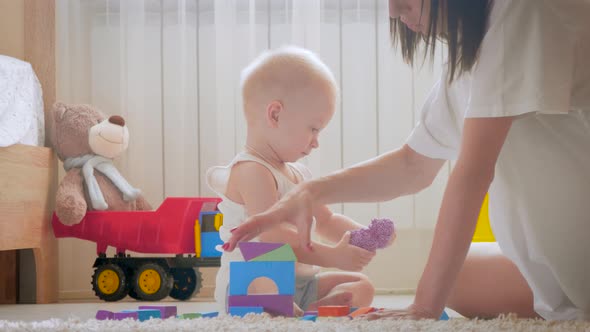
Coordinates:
column 166, row 311
column 444, row 316
column 209, row 240
column 243, row 311
column 311, row 318
column 145, row 314
column 211, row 314
column 241, row 274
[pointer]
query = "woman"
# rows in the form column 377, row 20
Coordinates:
column 513, row 109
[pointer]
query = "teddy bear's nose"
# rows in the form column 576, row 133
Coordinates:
column 118, row 120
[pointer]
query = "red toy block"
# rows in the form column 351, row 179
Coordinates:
column 361, row 311
column 333, row 311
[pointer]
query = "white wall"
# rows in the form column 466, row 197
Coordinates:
column 173, row 74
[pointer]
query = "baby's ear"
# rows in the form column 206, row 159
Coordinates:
column 273, row 111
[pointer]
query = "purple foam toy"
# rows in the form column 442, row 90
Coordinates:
column 374, row 237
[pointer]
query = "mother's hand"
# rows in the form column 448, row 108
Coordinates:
column 295, row 207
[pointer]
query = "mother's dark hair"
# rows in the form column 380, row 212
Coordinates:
column 463, row 25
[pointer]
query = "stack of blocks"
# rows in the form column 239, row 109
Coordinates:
column 275, row 261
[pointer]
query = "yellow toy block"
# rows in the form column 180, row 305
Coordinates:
column 483, row 231
column 197, row 238
column 218, row 221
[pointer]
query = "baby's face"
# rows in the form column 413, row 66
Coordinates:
column 300, row 126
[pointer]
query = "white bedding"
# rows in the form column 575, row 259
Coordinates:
column 21, row 104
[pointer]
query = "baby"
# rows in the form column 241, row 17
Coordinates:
column 289, row 96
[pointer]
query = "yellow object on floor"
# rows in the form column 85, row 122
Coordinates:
column 483, row 231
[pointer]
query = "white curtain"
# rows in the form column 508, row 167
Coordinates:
column 171, row 69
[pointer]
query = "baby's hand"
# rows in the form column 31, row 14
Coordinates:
column 297, row 312
column 349, row 257
column 391, row 239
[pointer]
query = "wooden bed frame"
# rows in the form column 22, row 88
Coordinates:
column 28, row 174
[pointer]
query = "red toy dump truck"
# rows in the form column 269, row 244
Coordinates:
column 185, row 227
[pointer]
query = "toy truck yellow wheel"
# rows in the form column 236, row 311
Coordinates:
column 152, row 282
column 109, row 282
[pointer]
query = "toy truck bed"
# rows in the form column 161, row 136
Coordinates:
column 169, row 229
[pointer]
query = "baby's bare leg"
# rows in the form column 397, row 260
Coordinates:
column 343, row 288
column 489, row 284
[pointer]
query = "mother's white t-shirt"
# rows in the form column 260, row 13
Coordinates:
column 534, row 63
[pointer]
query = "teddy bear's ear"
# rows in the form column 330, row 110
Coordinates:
column 59, row 109
column 56, row 114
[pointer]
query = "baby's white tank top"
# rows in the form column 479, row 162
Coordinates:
column 234, row 214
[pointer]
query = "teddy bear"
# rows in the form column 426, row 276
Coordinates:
column 87, row 141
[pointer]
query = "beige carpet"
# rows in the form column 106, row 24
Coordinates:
column 265, row 323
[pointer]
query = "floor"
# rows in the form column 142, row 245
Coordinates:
column 87, row 310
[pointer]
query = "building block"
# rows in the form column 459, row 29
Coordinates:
column 273, row 304
column 145, row 314
column 361, row 311
column 189, row 316
column 104, row 315
column 252, row 250
column 125, row 314
column 211, row 314
column 444, row 316
column 243, row 311
column 166, row 311
column 374, row 237
column 311, row 312
column 333, row 311
column 197, row 233
column 483, row 230
column 281, row 254
column 241, row 274
column 309, row 317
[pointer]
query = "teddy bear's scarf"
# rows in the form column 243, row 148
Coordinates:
column 88, row 163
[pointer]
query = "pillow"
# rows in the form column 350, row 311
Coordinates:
column 21, row 104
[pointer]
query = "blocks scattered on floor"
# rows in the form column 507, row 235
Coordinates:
column 146, row 312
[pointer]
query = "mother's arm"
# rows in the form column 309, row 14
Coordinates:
column 388, row 176
column 393, row 174
column 470, row 179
